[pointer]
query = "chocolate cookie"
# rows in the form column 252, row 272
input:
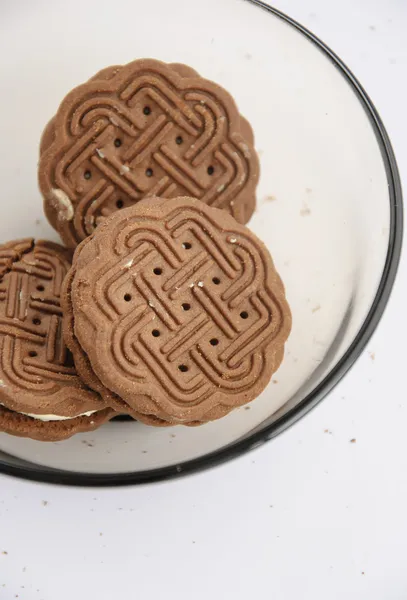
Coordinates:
column 41, row 395
column 178, row 310
column 144, row 129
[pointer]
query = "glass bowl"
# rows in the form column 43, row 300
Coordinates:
column 329, row 202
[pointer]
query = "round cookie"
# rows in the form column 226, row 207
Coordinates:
column 41, row 395
column 147, row 128
column 178, row 310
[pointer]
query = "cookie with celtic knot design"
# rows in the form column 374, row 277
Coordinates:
column 41, row 395
column 178, row 310
column 144, row 129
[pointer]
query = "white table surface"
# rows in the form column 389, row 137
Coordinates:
column 310, row 515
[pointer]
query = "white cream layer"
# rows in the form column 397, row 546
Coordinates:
column 54, row 417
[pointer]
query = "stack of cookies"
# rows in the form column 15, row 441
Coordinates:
column 163, row 305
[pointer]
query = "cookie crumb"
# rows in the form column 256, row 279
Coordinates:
column 62, row 204
column 353, row 441
column 45, row 502
column 274, row 381
column 270, row 198
column 245, row 149
column 305, row 211
column 247, row 407
column 4, row 552
column 372, row 355
column 200, row 284
column 316, row 308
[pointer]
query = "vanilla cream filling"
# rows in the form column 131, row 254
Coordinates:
column 54, row 417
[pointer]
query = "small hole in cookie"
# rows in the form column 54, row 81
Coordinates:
column 36, row 321
column 214, row 342
column 210, row 170
column 244, row 314
column 149, row 172
column 87, row 174
column 32, row 353
column 178, row 140
column 69, row 362
column 157, row 271
column 186, row 306
column 147, row 110
column 120, row 204
column 186, row 245
column 127, row 297
column 183, row 368
column 117, row 142
column 155, row 333
column 40, row 288
column 216, row 280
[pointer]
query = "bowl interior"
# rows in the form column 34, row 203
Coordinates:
column 323, row 201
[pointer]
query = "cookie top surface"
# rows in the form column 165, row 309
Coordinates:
column 179, row 309
column 37, row 375
column 147, row 128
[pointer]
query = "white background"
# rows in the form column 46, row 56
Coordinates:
column 310, row 515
